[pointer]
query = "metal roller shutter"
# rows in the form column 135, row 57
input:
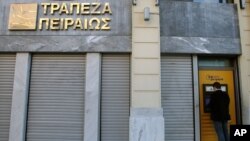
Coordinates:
column 177, row 98
column 7, row 71
column 115, row 98
column 56, row 98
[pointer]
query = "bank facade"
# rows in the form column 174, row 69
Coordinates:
column 120, row 70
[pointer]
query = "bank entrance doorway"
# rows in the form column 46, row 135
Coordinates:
column 210, row 71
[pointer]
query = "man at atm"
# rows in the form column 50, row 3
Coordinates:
column 219, row 105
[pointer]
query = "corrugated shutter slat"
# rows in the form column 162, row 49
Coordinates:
column 56, row 99
column 177, row 97
column 7, row 71
column 115, row 98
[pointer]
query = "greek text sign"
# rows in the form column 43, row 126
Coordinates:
column 61, row 16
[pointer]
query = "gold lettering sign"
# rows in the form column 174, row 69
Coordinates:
column 95, row 8
column 22, row 17
column 76, row 24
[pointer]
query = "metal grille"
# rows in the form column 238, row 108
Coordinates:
column 115, row 98
column 7, row 71
column 56, row 99
column 177, row 98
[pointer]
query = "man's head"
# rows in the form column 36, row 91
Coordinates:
column 217, row 86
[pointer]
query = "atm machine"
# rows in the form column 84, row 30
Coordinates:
column 206, row 80
column 207, row 91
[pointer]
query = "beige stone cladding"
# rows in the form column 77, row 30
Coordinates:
column 244, row 60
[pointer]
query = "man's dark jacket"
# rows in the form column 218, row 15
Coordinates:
column 219, row 105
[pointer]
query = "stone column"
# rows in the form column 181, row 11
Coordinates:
column 196, row 98
column 244, row 60
column 146, row 117
column 20, row 97
column 92, row 97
